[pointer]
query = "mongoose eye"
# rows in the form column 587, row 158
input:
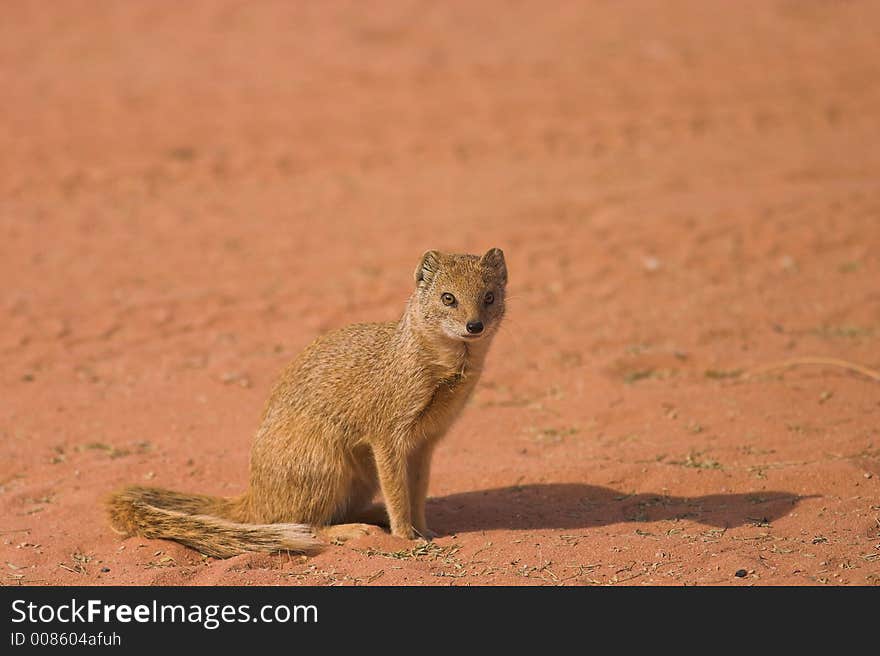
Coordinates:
column 447, row 298
column 489, row 298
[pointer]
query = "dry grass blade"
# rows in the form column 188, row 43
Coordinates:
column 431, row 550
column 818, row 361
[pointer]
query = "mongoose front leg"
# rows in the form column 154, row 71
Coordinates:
column 391, row 467
column 419, row 470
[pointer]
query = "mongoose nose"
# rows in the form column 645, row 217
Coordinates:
column 475, row 327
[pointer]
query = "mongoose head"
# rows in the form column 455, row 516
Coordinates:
column 460, row 296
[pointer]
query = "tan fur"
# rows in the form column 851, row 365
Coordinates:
column 359, row 410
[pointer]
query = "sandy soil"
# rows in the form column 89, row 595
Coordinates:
column 685, row 191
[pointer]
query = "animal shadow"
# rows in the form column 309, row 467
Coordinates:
column 574, row 505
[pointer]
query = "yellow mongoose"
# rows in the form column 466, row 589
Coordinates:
column 360, row 409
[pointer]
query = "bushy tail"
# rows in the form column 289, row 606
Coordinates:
column 207, row 524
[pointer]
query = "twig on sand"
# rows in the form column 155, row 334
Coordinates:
column 819, row 361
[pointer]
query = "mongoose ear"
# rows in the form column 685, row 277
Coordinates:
column 494, row 259
column 428, row 266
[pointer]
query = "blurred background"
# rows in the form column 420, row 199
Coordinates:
column 190, row 192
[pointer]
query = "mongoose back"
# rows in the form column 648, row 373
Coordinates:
column 360, row 410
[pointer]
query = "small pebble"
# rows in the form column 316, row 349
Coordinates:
column 105, row 569
column 651, row 263
column 868, row 474
column 740, row 573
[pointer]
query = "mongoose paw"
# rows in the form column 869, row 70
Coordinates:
column 407, row 533
column 425, row 534
column 339, row 533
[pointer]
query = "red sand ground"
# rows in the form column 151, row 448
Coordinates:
column 684, row 191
